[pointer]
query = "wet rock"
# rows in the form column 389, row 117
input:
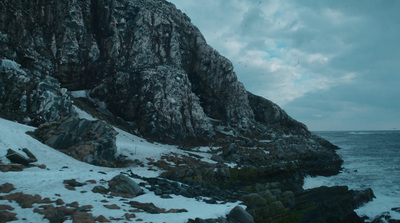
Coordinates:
column 329, row 204
column 124, row 184
column 89, row 141
column 238, row 214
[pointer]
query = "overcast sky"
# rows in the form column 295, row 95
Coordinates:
column 331, row 64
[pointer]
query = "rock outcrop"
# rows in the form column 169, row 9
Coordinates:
column 143, row 61
column 89, row 141
column 125, row 185
column 31, row 98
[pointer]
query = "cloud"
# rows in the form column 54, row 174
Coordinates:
column 292, row 52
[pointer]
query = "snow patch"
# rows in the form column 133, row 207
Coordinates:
column 79, row 94
column 59, row 167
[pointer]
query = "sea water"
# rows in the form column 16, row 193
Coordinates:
column 371, row 160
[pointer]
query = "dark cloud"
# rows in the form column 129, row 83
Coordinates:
column 330, row 64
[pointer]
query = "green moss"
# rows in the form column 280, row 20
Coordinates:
column 296, row 216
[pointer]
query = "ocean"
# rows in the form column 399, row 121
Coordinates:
column 371, row 160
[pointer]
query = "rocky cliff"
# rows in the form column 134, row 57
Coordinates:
column 143, row 61
column 145, row 67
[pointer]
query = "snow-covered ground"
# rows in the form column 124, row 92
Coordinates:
column 48, row 182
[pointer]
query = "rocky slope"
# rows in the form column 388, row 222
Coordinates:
column 142, row 60
column 144, row 67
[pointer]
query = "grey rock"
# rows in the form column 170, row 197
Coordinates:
column 123, row 184
column 31, row 99
column 89, row 141
column 143, row 61
column 100, row 189
column 32, row 158
column 16, row 157
column 238, row 214
column 217, row 158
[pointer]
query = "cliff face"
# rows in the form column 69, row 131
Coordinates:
column 145, row 67
column 142, row 60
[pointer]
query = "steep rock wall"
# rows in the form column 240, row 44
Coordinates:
column 143, row 60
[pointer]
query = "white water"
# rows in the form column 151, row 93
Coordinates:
column 371, row 160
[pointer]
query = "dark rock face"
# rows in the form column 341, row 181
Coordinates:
column 141, row 60
column 333, row 204
column 89, row 141
column 28, row 98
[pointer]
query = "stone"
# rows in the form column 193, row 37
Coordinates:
column 83, row 217
column 217, row 158
column 100, row 189
column 128, row 216
column 6, row 207
column 101, row 218
column 254, row 200
column 112, row 206
column 6, row 188
column 93, row 142
column 32, row 158
column 238, row 214
column 124, row 184
column 7, row 216
column 16, row 157
column 73, row 183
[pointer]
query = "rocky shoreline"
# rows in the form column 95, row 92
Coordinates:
column 146, row 69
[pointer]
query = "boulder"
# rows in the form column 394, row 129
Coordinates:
column 32, row 158
column 217, row 158
column 93, row 142
column 16, row 157
column 100, row 189
column 238, row 214
column 123, row 184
